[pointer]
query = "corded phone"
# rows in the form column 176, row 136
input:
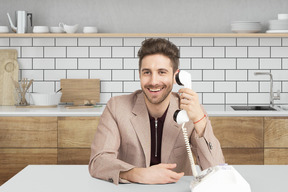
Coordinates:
column 221, row 178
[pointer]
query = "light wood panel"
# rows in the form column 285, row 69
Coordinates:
column 14, row 160
column 276, row 131
column 28, row 132
column 276, row 156
column 244, row 156
column 76, row 132
column 74, row 156
column 238, row 132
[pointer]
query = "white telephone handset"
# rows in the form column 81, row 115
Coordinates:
column 221, row 178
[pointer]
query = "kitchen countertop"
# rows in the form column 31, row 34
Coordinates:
column 212, row 110
column 262, row 178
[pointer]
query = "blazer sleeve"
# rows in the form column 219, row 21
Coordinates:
column 207, row 148
column 103, row 162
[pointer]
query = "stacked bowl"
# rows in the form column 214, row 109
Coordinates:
column 280, row 25
column 246, row 26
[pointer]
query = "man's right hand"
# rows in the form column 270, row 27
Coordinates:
column 156, row 174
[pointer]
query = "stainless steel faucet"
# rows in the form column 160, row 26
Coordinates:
column 272, row 97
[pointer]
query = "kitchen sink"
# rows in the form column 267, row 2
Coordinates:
column 253, row 108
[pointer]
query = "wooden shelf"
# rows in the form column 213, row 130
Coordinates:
column 144, row 35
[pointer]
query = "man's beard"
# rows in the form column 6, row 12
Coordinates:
column 161, row 99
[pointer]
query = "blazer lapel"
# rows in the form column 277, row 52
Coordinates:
column 170, row 130
column 141, row 125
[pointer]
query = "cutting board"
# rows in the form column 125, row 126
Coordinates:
column 75, row 90
column 9, row 69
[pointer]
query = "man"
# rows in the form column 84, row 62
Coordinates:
column 137, row 139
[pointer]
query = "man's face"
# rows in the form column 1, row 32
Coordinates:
column 156, row 77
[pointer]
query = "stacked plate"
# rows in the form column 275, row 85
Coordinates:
column 246, row 26
column 280, row 25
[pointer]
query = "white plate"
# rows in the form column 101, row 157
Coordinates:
column 277, row 31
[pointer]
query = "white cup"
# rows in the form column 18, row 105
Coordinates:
column 69, row 28
column 90, row 29
column 40, row 29
column 283, row 16
column 4, row 29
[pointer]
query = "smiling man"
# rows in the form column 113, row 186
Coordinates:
column 137, row 139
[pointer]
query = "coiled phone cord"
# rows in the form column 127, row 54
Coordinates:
column 188, row 148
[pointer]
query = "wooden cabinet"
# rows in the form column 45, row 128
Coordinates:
column 24, row 141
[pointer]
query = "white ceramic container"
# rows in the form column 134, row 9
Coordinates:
column 46, row 99
column 40, row 29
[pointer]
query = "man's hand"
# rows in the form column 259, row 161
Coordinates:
column 189, row 102
column 156, row 174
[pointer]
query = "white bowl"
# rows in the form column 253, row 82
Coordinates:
column 56, row 30
column 40, row 29
column 4, row 29
column 46, row 99
column 89, row 29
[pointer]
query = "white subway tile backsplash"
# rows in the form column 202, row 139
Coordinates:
column 236, row 52
column 213, row 98
column 54, row 52
column 19, row 41
column 225, row 64
column 213, row 75
column 180, row 41
column 77, row 74
column 265, row 86
column 202, row 63
column 285, row 42
column 259, row 52
column 61, row 42
column 111, row 41
column 250, row 41
column 190, row 52
column 273, row 41
column 104, row 97
column 213, row 51
column 87, row 41
column 54, row 75
column 196, row 75
column 270, row 63
column 184, row 64
column 43, row 87
column 279, row 52
column 25, row 63
column 202, row 86
column 284, row 87
column 43, row 42
column 236, row 75
column 130, row 87
column 101, row 74
column 66, row 63
column 122, row 75
column 249, row 63
column 258, row 98
column 247, row 86
column 131, row 63
column 88, row 63
column 43, row 63
column 32, row 74
column 236, row 98
column 279, row 75
column 32, row 51
column 111, row 63
column 224, row 41
column 202, row 41
column 252, row 76
column 100, row 52
column 111, row 87
column 123, row 52
column 4, row 42
column 225, row 87
column 136, row 75
column 77, row 52
column 133, row 41
column 284, row 63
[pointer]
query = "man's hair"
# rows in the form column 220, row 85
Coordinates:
column 159, row 46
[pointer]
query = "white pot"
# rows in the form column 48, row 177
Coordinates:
column 46, row 98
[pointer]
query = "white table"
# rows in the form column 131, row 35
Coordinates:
column 62, row 178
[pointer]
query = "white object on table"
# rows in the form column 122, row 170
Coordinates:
column 51, row 178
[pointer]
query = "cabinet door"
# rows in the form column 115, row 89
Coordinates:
column 245, row 156
column 238, row 132
column 28, row 132
column 75, row 135
column 276, row 156
column 276, row 132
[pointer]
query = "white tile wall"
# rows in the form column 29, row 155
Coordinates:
column 222, row 69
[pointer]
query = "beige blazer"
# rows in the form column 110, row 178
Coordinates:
column 122, row 140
